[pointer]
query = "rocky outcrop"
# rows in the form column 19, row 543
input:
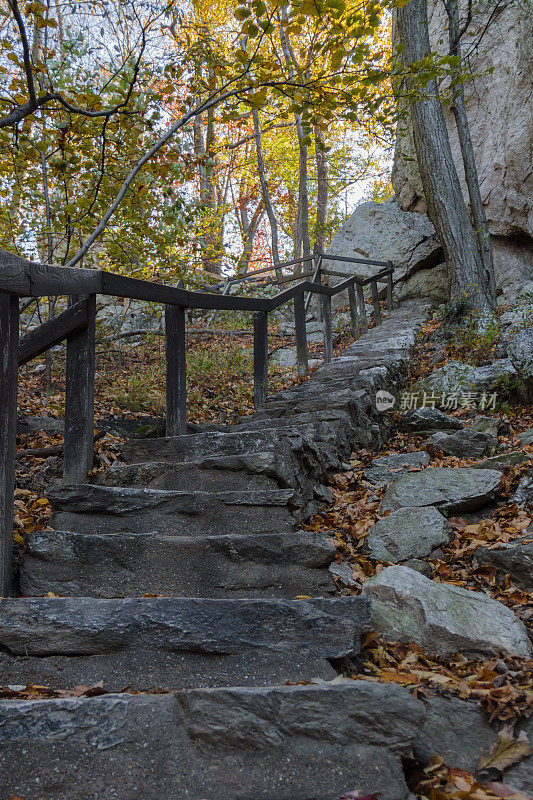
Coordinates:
column 501, row 126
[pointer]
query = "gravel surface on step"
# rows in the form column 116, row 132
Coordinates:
column 122, row 564
column 176, row 642
column 282, row 743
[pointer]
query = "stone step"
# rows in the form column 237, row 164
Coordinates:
column 314, row 742
column 132, row 564
column 214, row 444
column 176, row 642
column 86, row 508
column 284, row 451
column 253, row 472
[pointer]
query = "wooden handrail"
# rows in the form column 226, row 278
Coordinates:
column 22, row 278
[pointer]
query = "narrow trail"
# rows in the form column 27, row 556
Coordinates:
column 183, row 569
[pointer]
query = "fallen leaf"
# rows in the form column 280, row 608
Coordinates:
column 505, row 752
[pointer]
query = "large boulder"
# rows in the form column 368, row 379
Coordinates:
column 451, row 489
column 430, row 283
column 429, row 419
column 497, row 104
column 382, row 231
column 442, row 618
column 408, row 533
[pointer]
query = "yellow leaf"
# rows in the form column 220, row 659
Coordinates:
column 505, row 752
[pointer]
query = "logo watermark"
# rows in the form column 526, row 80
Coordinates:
column 445, row 401
column 384, row 400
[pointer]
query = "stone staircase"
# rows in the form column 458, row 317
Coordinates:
column 247, row 636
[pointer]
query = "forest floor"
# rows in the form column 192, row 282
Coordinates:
column 130, row 384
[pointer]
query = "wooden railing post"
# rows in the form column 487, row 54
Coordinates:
column 260, row 357
column 176, row 379
column 9, row 343
column 390, row 305
column 79, row 397
column 375, row 300
column 353, row 310
column 362, row 309
column 326, row 322
column 301, row 334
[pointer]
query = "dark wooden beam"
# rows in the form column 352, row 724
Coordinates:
column 328, row 335
column 390, row 302
column 135, row 289
column 353, row 311
column 50, row 333
column 9, row 340
column 79, row 398
column 260, row 357
column 349, row 260
column 375, row 300
column 176, row 378
column 362, row 308
column 301, row 334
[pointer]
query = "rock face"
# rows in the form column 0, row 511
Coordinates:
column 442, row 618
column 501, row 126
column 465, row 443
column 408, row 533
column 524, row 494
column 448, row 489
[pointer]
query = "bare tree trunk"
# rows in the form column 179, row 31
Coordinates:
column 467, row 152
column 210, row 241
column 322, row 190
column 302, row 245
column 265, row 191
column 248, row 231
column 446, row 206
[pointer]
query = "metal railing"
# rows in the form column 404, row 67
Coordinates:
column 20, row 278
